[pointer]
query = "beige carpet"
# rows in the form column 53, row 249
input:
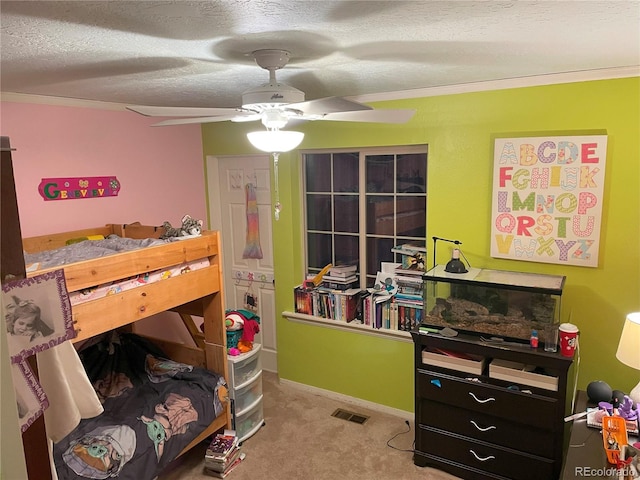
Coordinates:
column 301, row 440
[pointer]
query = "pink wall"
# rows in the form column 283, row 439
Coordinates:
column 160, row 169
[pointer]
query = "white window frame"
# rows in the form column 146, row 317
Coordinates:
column 362, row 234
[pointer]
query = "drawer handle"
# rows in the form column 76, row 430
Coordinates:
column 490, row 457
column 490, row 399
column 490, row 427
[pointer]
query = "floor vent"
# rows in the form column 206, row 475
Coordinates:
column 350, row 416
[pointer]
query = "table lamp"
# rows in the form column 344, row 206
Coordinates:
column 629, row 348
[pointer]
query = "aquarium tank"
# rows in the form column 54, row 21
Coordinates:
column 492, row 302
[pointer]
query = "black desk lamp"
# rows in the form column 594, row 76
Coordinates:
column 454, row 265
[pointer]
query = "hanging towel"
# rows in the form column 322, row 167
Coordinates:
column 70, row 393
column 252, row 248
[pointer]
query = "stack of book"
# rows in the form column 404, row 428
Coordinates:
column 341, row 277
column 408, row 277
column 413, row 259
column 223, row 454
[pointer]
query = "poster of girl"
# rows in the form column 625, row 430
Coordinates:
column 25, row 319
column 37, row 314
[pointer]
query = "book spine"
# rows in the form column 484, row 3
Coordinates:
column 378, row 313
column 338, row 286
column 367, row 311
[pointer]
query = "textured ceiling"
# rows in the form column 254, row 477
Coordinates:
column 197, row 53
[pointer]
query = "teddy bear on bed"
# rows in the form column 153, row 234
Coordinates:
column 190, row 227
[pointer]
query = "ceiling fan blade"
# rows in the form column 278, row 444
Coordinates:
column 184, row 111
column 221, row 118
column 372, row 116
column 322, row 106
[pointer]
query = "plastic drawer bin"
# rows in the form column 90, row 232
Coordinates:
column 245, row 367
column 247, row 393
column 249, row 421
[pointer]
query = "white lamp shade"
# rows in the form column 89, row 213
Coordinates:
column 629, row 346
column 275, row 141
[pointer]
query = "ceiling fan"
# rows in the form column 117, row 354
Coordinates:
column 276, row 103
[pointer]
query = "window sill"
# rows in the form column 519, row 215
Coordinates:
column 398, row 335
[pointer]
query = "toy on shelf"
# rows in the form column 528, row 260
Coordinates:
column 242, row 326
column 190, row 227
column 312, row 283
column 628, row 410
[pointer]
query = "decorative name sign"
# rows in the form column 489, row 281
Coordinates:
column 80, row 187
column 547, row 199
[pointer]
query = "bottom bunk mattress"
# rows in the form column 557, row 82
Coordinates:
column 153, row 408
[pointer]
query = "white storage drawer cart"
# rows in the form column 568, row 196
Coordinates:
column 245, row 391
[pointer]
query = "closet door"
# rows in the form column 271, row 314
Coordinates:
column 227, row 180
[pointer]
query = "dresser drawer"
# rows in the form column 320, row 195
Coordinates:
column 487, row 428
column 247, row 394
column 478, row 455
column 525, row 408
column 249, row 421
column 244, row 368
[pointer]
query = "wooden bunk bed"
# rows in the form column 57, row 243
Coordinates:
column 199, row 292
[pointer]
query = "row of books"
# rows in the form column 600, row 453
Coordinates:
column 327, row 303
column 402, row 311
column 395, row 306
column 391, row 313
column 223, row 454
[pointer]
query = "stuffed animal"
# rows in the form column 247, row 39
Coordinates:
column 190, row 227
column 234, row 321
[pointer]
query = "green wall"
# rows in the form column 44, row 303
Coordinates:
column 460, row 130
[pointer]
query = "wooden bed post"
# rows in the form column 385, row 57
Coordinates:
column 12, row 267
column 215, row 332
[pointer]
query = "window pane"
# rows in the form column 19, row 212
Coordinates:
column 380, row 173
column 318, row 172
column 347, row 213
column 412, row 173
column 319, row 251
column 347, row 249
column 391, row 209
column 346, row 172
column 411, row 216
column 380, row 215
column 319, row 212
column 378, row 250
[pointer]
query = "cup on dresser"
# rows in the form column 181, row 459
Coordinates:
column 550, row 337
column 568, row 334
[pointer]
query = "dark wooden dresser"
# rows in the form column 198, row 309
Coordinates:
column 481, row 419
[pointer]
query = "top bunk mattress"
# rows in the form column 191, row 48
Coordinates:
column 87, row 250
column 91, row 249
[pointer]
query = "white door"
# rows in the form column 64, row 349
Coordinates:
column 227, row 183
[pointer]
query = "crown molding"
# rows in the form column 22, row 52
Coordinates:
column 507, row 83
column 60, row 101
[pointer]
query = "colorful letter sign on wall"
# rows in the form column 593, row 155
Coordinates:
column 81, row 187
column 547, row 199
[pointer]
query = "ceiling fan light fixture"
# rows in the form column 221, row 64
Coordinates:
column 275, row 141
